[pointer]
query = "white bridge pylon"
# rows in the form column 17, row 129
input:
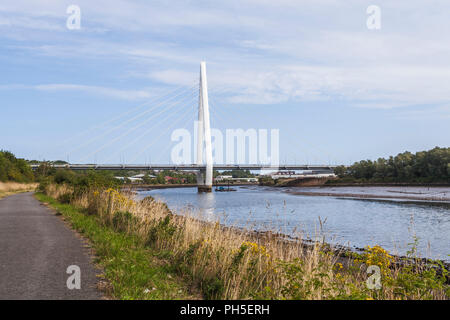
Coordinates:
column 204, row 148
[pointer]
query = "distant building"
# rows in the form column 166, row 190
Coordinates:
column 130, row 179
column 286, row 175
column 222, row 178
column 303, row 174
column 245, row 179
column 142, row 175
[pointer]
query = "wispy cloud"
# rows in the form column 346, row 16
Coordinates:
column 257, row 51
column 93, row 90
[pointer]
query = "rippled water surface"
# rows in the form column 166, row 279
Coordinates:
column 357, row 223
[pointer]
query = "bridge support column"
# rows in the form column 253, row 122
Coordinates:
column 205, row 176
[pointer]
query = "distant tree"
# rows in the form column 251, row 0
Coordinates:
column 424, row 166
column 340, row 171
column 14, row 169
column 160, row 178
column 236, row 173
column 64, row 176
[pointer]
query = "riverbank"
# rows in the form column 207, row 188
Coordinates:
column 337, row 182
column 349, row 221
column 416, row 193
column 227, row 263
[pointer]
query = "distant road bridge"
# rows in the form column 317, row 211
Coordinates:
column 189, row 167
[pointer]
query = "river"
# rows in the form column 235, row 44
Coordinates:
column 355, row 223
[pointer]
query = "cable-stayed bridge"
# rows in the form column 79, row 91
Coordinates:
column 167, row 107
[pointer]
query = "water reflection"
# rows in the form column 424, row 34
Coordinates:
column 206, row 204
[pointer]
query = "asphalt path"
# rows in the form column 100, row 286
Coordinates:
column 36, row 249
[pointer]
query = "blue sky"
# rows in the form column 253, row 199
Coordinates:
column 337, row 91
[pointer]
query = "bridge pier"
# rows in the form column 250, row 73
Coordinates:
column 202, row 186
column 203, row 189
column 204, row 177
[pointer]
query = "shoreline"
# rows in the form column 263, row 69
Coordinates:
column 355, row 196
column 386, row 184
column 369, row 196
column 345, row 254
column 146, row 187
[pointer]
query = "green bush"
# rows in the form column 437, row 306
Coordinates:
column 65, row 198
column 212, row 288
column 123, row 221
column 64, row 176
column 44, row 182
column 164, row 229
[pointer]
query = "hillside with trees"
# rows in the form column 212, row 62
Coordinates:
column 431, row 166
column 13, row 169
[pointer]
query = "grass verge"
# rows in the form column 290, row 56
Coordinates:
column 132, row 269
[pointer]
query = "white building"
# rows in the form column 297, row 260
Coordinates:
column 142, row 175
column 303, row 174
column 245, row 179
column 222, row 178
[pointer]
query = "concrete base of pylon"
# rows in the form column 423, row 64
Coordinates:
column 202, row 189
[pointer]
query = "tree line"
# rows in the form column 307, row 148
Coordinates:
column 422, row 167
column 14, row 169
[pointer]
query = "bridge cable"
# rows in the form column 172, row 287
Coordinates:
column 169, row 145
column 120, row 116
column 134, row 128
column 289, row 140
column 162, row 133
column 146, row 132
column 124, row 123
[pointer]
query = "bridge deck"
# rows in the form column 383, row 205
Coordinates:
column 187, row 167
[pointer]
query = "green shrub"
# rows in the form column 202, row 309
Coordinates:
column 65, row 198
column 212, row 288
column 44, row 183
column 162, row 230
column 410, row 283
column 123, row 221
column 64, row 176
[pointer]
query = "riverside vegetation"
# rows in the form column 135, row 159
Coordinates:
column 432, row 166
column 148, row 252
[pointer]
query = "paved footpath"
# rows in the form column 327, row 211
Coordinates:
column 36, row 248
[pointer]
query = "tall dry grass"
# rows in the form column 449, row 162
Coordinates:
column 230, row 263
column 7, row 188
